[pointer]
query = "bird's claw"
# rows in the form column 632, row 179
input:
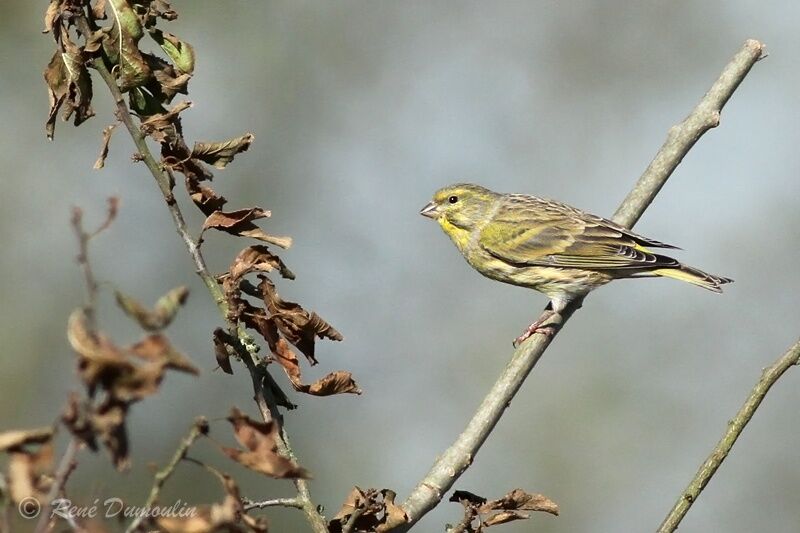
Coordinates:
column 539, row 326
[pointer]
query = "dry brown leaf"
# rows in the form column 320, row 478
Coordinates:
column 376, row 511
column 18, row 438
column 518, row 499
column 101, row 159
column 30, row 473
column 288, row 360
column 219, row 154
column 158, row 349
column 260, row 439
column 222, row 339
column 203, row 197
column 52, row 15
column 504, row 517
column 334, row 383
column 258, row 258
column 162, row 313
column 241, row 223
column 69, row 84
column 108, row 421
column 338, row 382
column 77, row 418
column 165, row 127
column 99, row 9
column 295, row 323
column 480, row 514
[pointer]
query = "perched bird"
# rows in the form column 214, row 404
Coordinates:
column 548, row 246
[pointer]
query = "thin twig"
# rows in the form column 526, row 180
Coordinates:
column 69, row 461
column 67, row 464
column 723, row 447
column 350, row 525
column 249, row 504
column 162, row 178
column 200, row 427
column 456, row 459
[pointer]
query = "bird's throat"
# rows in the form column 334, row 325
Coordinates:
column 460, row 236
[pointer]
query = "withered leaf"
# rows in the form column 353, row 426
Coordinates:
column 158, row 349
column 466, row 497
column 122, row 49
column 222, row 339
column 338, row 382
column 219, row 154
column 518, row 499
column 480, row 514
column 144, row 103
column 69, row 84
column 334, row 383
column 299, row 326
column 504, row 517
column 99, row 9
column 180, row 52
column 108, row 422
column 162, row 313
column 241, row 223
column 167, row 81
column 165, row 127
column 52, row 16
column 30, row 473
column 77, row 417
column 258, row 258
column 156, row 9
column 101, row 159
column 204, row 197
column 376, row 511
column 102, row 364
column 260, row 439
column 19, row 438
column 394, row 515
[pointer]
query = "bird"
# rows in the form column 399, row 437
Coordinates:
column 551, row 247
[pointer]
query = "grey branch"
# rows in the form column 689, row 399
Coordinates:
column 456, row 459
column 723, row 447
column 249, row 504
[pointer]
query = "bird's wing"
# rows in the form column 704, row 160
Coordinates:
column 535, row 232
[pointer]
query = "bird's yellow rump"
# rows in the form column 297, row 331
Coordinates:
column 548, row 246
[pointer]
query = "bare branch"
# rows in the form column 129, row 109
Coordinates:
column 682, row 137
column 249, row 504
column 723, row 447
column 200, row 427
column 69, row 461
column 67, row 464
column 456, row 459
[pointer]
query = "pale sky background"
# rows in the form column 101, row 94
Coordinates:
column 361, row 110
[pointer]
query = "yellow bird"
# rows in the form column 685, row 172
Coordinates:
column 548, row 246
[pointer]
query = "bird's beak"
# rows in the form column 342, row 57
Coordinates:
column 430, row 210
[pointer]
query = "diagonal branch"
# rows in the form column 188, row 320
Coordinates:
column 263, row 395
column 723, row 447
column 456, row 459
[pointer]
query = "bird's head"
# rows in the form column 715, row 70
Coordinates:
column 463, row 205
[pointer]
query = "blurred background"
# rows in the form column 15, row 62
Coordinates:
column 361, row 110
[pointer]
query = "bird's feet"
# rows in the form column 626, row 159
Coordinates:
column 538, row 327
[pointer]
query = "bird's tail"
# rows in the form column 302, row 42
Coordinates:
column 694, row 276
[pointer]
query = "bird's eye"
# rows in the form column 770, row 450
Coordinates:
column 453, row 199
